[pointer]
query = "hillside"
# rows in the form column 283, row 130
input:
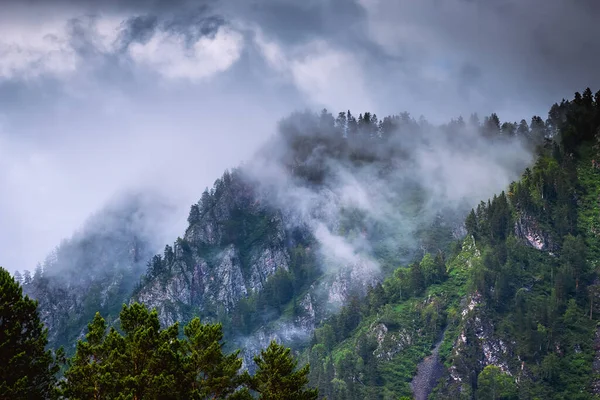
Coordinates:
column 96, row 269
column 325, row 209
column 511, row 313
column 344, row 238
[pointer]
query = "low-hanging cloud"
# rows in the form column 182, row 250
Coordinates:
column 96, row 97
column 364, row 212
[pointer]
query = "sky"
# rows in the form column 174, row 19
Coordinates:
column 97, row 98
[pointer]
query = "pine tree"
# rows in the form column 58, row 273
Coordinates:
column 145, row 363
column 471, row 223
column 429, row 269
column 417, row 280
column 89, row 375
column 277, row 377
column 194, row 215
column 147, row 359
column 18, row 277
column 27, row 369
column 26, row 277
column 491, row 125
column 494, row 384
column 523, row 129
column 210, row 373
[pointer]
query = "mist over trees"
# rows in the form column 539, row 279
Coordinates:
column 360, row 192
column 140, row 360
column 526, row 269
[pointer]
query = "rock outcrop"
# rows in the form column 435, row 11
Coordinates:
column 528, row 230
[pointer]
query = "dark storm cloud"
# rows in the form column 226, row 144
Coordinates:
column 139, row 28
column 539, row 50
column 531, row 50
column 294, row 21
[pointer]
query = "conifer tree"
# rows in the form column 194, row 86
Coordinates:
column 145, row 363
column 277, row 377
column 89, row 375
column 27, row 369
column 210, row 373
column 194, row 215
column 494, row 384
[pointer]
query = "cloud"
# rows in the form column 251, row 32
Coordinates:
column 327, row 76
column 100, row 96
column 31, row 53
column 168, row 54
column 398, row 55
column 524, row 50
column 196, row 47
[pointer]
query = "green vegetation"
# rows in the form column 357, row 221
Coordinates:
column 372, row 347
column 27, row 369
column 517, row 322
column 137, row 361
column 494, row 384
column 277, row 377
column 510, row 310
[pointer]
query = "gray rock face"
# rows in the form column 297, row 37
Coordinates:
column 229, row 252
column 226, row 281
column 528, row 230
column 429, row 371
column 218, row 282
column 308, row 320
column 69, row 296
column 354, row 278
column 203, row 234
column 165, row 297
column 265, row 262
column 390, row 343
column 490, row 349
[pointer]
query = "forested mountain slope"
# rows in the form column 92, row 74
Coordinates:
column 512, row 311
column 97, row 268
column 325, row 209
column 344, row 238
column 288, row 245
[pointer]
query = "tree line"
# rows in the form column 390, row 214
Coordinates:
column 135, row 360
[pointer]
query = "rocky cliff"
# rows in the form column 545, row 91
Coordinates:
column 276, row 246
column 230, row 249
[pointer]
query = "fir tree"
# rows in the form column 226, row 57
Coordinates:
column 27, row 369
column 277, row 377
column 145, row 363
column 89, row 375
column 211, row 374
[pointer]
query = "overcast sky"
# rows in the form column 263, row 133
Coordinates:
column 99, row 97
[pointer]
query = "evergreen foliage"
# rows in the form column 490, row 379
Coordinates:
column 143, row 361
column 27, row 368
column 525, row 275
column 277, row 377
column 541, row 302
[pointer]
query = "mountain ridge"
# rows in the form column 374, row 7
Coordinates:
column 277, row 247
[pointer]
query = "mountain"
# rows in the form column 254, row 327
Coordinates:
column 326, row 209
column 351, row 240
column 511, row 312
column 97, row 268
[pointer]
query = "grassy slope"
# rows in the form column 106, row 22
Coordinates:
column 398, row 372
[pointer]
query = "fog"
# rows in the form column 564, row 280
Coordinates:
column 97, row 99
column 402, row 183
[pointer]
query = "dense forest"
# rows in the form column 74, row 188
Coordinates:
column 502, row 306
column 139, row 360
column 510, row 311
